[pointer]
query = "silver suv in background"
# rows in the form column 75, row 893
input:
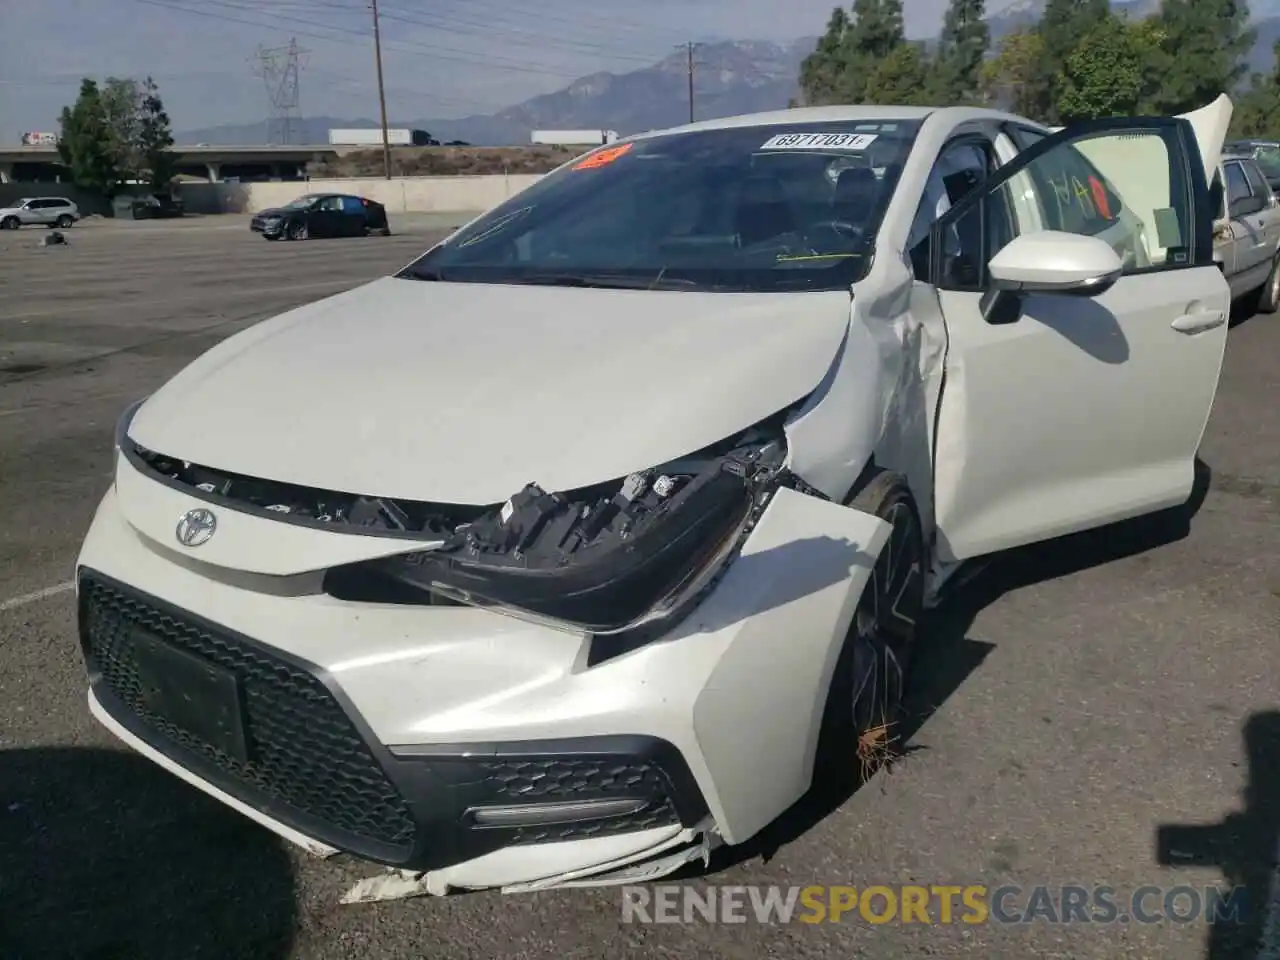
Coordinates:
column 1246, row 232
column 39, row 211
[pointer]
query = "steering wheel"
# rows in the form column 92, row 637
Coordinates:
column 843, row 230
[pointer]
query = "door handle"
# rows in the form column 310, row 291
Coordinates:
column 1200, row 321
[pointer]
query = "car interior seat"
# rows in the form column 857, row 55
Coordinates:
column 762, row 211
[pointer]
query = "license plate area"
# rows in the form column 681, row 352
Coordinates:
column 194, row 694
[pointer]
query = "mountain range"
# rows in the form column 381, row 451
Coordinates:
column 731, row 77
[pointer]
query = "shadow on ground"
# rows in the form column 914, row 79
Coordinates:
column 1244, row 846
column 104, row 856
column 946, row 655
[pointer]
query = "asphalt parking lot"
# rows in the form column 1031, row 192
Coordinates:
column 1104, row 711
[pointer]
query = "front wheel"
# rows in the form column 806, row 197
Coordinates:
column 10, row 223
column 865, row 702
column 297, row 231
column 1269, row 296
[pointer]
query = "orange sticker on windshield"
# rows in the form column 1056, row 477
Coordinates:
column 1100, row 197
column 602, row 157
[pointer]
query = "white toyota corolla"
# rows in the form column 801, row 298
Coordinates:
column 548, row 559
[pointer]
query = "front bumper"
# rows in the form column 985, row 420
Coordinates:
column 394, row 732
column 313, row 764
column 268, row 228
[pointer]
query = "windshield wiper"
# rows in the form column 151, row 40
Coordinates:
column 609, row 282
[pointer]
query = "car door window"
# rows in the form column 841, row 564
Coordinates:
column 1257, row 182
column 330, row 205
column 1237, row 184
column 960, row 167
column 1146, row 219
column 353, row 206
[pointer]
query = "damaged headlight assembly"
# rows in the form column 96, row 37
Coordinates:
column 615, row 558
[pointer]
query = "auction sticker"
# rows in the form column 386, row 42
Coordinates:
column 602, row 157
column 820, row 141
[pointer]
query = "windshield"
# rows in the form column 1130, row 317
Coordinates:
column 1268, row 158
column 734, row 209
column 303, row 201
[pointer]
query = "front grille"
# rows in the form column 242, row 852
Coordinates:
column 305, row 752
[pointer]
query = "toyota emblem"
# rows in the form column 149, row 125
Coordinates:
column 196, row 527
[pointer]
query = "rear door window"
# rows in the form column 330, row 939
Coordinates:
column 352, row 205
column 1257, row 182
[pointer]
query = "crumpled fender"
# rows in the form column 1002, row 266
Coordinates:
column 880, row 396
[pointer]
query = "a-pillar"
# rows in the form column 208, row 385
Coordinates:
column 214, row 170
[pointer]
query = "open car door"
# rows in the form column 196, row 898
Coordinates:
column 1063, row 410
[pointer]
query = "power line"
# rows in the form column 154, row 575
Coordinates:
column 279, row 68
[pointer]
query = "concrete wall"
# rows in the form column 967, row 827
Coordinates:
column 400, row 195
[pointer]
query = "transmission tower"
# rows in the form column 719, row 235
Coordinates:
column 279, row 69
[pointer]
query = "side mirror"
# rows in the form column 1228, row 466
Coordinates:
column 1050, row 261
column 1047, row 261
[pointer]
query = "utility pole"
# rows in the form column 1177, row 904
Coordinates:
column 382, row 95
column 690, row 47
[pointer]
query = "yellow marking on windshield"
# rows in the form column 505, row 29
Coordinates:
column 784, row 258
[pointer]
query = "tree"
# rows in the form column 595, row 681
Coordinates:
column 1106, row 75
column 154, row 139
column 957, row 70
column 851, row 50
column 86, row 145
column 1063, row 26
column 820, row 71
column 1204, row 46
column 901, row 77
column 1257, row 112
column 1012, row 79
column 118, row 132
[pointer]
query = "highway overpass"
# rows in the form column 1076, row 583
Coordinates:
column 42, row 164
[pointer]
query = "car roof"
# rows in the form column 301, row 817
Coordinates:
column 840, row 114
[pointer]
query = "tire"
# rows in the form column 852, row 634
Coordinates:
column 10, row 223
column 1269, row 295
column 296, row 231
column 865, row 701
column 64, row 222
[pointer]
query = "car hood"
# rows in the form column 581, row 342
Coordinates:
column 275, row 212
column 464, row 393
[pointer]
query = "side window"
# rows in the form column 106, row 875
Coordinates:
column 330, row 204
column 960, row 168
column 1257, row 182
column 37, row 204
column 1237, row 183
column 1025, row 137
column 1140, row 206
column 352, row 205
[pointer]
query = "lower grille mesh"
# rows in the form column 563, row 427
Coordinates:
column 305, row 751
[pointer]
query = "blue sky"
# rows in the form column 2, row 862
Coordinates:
column 442, row 58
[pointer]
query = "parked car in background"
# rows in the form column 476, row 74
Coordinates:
column 39, row 211
column 1246, row 232
column 1265, row 152
column 156, row 206
column 322, row 215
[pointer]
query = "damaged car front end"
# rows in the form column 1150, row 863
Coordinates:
column 476, row 623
